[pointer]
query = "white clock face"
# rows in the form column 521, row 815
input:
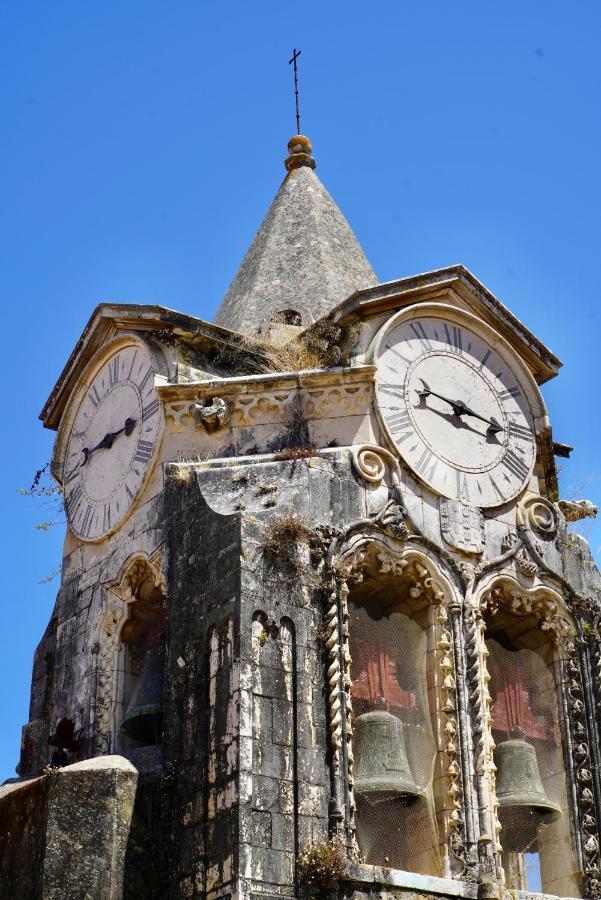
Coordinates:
column 112, row 443
column 456, row 408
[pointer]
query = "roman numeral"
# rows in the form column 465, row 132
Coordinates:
column 454, row 338
column 400, row 426
column 396, row 391
column 144, row 451
column 106, row 517
column 425, row 460
column 520, row 431
column 461, row 485
column 420, row 332
column 398, row 355
column 485, row 358
column 515, row 464
column 95, row 397
column 128, row 492
column 142, row 384
column 114, row 371
column 72, row 474
column 131, row 368
column 150, row 409
column 496, row 488
column 73, row 500
column 509, row 393
column 86, row 524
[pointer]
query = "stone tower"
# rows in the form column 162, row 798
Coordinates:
column 321, row 626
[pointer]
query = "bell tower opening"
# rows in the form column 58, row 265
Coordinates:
column 393, row 634
column 524, row 665
column 143, row 661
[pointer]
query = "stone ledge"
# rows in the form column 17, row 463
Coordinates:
column 427, row 884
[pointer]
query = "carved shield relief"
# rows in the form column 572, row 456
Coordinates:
column 462, row 526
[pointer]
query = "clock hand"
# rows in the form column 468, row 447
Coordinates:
column 460, row 408
column 107, row 441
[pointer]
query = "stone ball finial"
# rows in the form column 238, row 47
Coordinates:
column 299, row 148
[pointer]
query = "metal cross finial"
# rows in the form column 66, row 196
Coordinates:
column 295, row 56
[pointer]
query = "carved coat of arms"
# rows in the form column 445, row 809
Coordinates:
column 462, row 526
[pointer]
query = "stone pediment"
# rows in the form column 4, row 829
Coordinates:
column 456, row 286
column 108, row 321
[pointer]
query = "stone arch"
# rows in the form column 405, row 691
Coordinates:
column 540, row 600
column 524, row 637
column 139, row 577
column 389, row 553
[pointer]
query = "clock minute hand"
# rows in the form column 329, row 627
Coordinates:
column 460, row 408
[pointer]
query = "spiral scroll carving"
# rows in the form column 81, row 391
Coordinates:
column 368, row 464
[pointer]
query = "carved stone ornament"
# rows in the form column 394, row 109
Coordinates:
column 547, row 605
column 136, row 570
column 212, row 417
column 368, row 463
column 540, row 515
column 574, row 510
column 462, row 526
column 521, row 558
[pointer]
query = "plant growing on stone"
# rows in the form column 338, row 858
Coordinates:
column 322, row 866
column 47, row 492
column 281, row 541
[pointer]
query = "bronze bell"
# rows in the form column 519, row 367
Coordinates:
column 524, row 805
column 143, row 718
column 382, row 769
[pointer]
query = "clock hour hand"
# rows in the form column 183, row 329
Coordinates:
column 460, row 408
column 107, row 440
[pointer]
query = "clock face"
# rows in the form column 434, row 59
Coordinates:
column 455, row 405
column 112, row 442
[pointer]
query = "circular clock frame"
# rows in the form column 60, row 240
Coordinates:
column 158, row 366
column 423, row 457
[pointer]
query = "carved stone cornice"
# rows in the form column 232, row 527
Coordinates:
column 272, row 398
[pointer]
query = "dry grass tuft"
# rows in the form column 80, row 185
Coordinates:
column 320, row 347
column 281, row 541
column 321, row 867
column 303, row 452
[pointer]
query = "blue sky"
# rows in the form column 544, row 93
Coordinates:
column 143, row 143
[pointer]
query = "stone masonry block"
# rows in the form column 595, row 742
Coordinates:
column 68, row 833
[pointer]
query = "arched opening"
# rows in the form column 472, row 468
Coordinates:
column 398, row 772
column 287, row 317
column 140, row 660
column 528, row 728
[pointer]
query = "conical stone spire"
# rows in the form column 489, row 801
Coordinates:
column 304, row 259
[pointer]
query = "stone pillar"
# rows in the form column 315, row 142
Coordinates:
column 66, row 834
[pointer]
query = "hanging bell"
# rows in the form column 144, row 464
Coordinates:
column 143, row 718
column 381, row 766
column 523, row 803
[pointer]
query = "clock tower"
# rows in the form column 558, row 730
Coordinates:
column 321, row 624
